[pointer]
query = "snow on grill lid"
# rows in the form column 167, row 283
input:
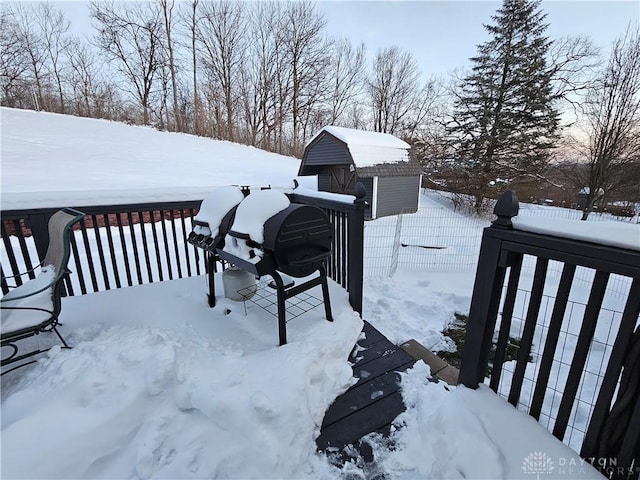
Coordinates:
column 250, row 217
column 215, row 206
column 256, row 209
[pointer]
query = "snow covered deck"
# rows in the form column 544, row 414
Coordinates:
column 160, row 385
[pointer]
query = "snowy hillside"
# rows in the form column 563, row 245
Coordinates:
column 95, row 161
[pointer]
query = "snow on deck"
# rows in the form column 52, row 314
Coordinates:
column 159, row 385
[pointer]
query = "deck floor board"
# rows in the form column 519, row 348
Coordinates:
column 371, row 404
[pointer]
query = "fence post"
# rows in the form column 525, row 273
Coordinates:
column 487, row 290
column 395, row 252
column 355, row 249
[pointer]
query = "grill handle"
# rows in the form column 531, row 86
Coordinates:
column 242, row 236
column 308, row 260
column 246, row 237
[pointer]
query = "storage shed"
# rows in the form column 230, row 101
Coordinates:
column 342, row 157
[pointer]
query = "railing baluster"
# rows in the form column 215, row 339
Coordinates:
column 505, row 321
column 5, row 286
column 628, row 454
column 78, row 272
column 337, row 247
column 134, row 243
column 87, row 248
column 125, row 255
column 175, row 242
column 12, row 258
column 343, row 244
column 23, row 248
column 103, row 263
column 580, row 355
column 186, row 245
column 553, row 335
column 112, row 253
column 620, row 348
column 166, row 244
column 529, row 329
column 156, row 245
column 145, row 247
column 195, row 250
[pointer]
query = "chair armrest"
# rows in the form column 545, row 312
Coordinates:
column 20, row 274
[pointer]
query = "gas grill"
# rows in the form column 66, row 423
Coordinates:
column 296, row 242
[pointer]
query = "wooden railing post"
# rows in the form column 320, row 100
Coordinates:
column 487, row 290
column 355, row 249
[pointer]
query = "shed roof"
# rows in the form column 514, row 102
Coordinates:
column 369, row 148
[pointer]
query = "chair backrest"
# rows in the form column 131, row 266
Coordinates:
column 59, row 249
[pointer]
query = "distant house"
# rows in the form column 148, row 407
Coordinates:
column 342, row 157
column 584, row 193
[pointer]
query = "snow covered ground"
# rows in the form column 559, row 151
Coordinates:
column 160, row 386
column 51, row 159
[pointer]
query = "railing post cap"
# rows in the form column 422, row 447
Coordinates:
column 359, row 191
column 506, row 208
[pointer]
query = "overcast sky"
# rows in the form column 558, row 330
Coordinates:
column 442, row 35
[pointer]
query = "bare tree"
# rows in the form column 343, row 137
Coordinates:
column 192, row 25
column 53, row 28
column 82, row 76
column 31, row 41
column 14, row 61
column 131, row 35
column 347, row 72
column 259, row 85
column 167, row 11
column 221, row 37
column 612, row 114
column 308, row 57
column 572, row 65
column 394, row 88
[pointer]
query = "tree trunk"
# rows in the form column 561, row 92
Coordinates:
column 196, row 103
column 172, row 68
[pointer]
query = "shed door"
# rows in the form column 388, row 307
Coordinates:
column 342, row 179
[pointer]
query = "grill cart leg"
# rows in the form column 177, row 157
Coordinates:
column 282, row 321
column 211, row 272
column 325, row 293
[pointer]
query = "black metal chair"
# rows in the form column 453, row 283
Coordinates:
column 34, row 306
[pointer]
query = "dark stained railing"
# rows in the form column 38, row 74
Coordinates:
column 346, row 265
column 132, row 244
column 612, row 438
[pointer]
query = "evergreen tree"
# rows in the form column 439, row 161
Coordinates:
column 504, row 121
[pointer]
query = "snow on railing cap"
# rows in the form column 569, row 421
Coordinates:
column 336, row 197
column 610, row 233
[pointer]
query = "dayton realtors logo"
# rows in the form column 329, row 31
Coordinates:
column 537, row 463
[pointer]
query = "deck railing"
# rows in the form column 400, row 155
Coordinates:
column 611, row 438
column 133, row 244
